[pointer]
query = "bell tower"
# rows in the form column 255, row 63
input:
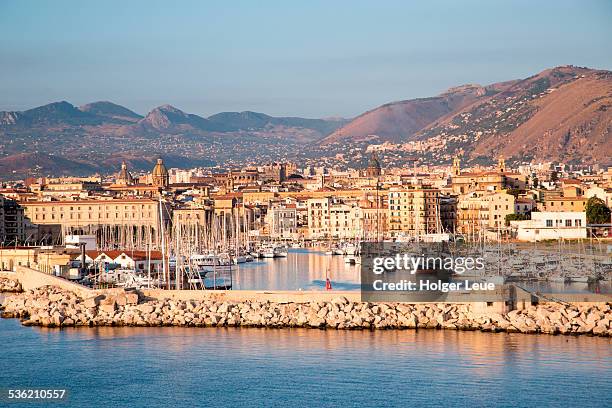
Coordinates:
column 456, row 166
column 501, row 164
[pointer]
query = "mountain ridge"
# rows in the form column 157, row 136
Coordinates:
column 559, row 114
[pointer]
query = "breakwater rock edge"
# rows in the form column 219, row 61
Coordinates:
column 50, row 306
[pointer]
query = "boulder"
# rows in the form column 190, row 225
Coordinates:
column 340, row 300
column 131, row 298
column 108, row 307
column 93, row 301
column 120, row 300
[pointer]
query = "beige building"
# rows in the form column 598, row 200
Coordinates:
column 121, row 222
column 464, row 183
column 49, row 260
column 413, row 211
column 571, row 203
column 332, row 218
column 476, row 212
column 374, row 216
column 192, row 216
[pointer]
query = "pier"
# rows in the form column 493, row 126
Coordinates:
column 54, row 302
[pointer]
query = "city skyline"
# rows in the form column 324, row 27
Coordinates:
column 314, row 61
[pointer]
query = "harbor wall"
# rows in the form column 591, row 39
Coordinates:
column 54, row 307
column 31, row 279
column 278, row 296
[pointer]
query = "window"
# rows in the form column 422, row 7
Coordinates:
column 549, row 223
column 568, row 223
column 578, row 223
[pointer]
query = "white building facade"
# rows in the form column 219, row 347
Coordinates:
column 548, row 225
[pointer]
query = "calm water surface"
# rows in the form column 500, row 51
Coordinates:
column 301, row 269
column 305, row 269
column 161, row 367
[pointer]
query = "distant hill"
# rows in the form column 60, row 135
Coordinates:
column 169, row 118
column 257, row 121
column 561, row 114
column 87, row 138
column 110, row 110
column 25, row 164
column 165, row 118
column 53, row 114
column 397, row 121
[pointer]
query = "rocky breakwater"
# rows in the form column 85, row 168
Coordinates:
column 9, row 285
column 53, row 307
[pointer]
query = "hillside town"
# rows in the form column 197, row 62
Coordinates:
column 278, row 201
column 240, row 211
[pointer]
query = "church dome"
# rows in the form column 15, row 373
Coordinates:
column 160, row 174
column 124, row 176
column 374, row 169
column 160, row 169
column 374, row 163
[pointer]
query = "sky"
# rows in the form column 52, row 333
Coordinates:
column 284, row 58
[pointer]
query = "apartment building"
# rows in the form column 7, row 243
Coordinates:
column 374, row 211
column 135, row 219
column 481, row 211
column 413, row 211
column 334, row 218
column 13, row 223
column 282, row 221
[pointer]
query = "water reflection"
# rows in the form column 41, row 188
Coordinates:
column 306, row 270
column 302, row 269
column 111, row 366
column 474, row 348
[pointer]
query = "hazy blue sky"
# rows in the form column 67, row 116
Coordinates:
column 306, row 58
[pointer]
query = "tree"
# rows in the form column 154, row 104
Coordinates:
column 554, row 177
column 597, row 212
column 516, row 217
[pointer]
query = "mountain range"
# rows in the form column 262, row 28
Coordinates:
column 560, row 114
column 60, row 138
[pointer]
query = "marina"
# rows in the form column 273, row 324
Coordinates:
column 304, row 269
column 311, row 268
